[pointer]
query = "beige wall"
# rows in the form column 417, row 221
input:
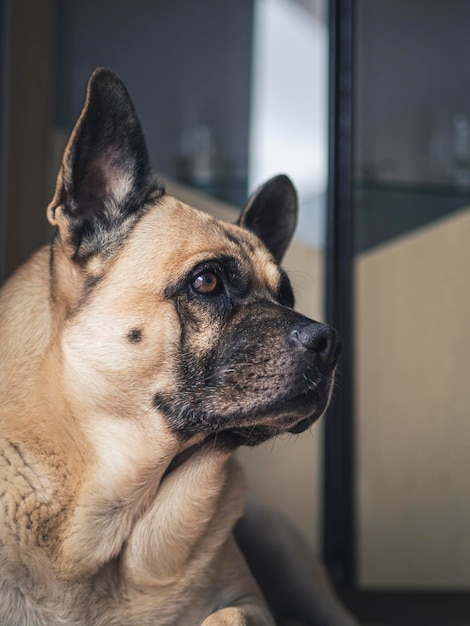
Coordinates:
column 413, row 409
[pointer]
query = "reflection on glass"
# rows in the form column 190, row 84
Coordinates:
column 288, row 134
column 412, row 210
column 289, row 105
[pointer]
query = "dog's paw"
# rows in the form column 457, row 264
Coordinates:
column 237, row 616
column 226, row 617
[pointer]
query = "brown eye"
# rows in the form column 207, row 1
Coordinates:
column 207, row 283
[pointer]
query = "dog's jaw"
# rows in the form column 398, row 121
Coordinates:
column 255, row 382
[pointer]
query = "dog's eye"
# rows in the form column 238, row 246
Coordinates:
column 208, row 283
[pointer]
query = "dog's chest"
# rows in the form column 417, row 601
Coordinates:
column 29, row 507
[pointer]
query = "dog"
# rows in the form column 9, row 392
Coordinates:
column 138, row 351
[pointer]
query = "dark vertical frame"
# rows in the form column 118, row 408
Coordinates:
column 339, row 476
column 26, row 144
column 4, row 64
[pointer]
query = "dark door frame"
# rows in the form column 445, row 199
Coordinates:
column 339, row 550
column 4, row 48
column 27, row 40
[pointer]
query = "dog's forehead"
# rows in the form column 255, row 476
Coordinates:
column 175, row 237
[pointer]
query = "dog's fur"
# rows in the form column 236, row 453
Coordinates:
column 137, row 352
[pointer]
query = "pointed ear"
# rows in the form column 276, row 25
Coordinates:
column 105, row 176
column 271, row 213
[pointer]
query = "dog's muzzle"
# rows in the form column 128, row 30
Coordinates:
column 271, row 371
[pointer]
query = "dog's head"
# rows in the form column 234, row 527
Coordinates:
column 168, row 314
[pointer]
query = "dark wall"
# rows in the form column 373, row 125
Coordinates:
column 3, row 130
column 412, row 77
column 412, row 115
column 185, row 64
column 26, row 89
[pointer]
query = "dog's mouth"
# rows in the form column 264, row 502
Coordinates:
column 228, row 440
column 202, row 430
column 232, row 438
column 250, row 423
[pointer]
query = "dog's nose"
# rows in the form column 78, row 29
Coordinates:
column 319, row 338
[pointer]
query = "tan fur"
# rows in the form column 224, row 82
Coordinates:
column 118, row 490
column 82, row 458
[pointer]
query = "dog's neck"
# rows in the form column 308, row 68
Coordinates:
column 125, row 512
column 25, row 321
column 29, row 345
column 111, row 504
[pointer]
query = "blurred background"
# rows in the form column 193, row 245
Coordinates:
column 365, row 104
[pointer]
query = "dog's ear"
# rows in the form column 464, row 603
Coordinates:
column 271, row 213
column 105, row 176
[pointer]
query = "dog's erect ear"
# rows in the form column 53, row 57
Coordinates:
column 105, row 176
column 271, row 213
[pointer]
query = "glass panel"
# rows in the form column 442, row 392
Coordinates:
column 412, row 199
column 289, row 122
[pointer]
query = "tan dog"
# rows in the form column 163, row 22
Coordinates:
column 137, row 352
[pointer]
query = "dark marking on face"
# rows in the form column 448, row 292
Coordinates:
column 91, row 283
column 134, row 335
column 228, row 430
column 243, row 373
column 286, row 293
column 51, row 256
column 198, row 308
column 104, row 236
column 241, row 241
column 246, row 374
